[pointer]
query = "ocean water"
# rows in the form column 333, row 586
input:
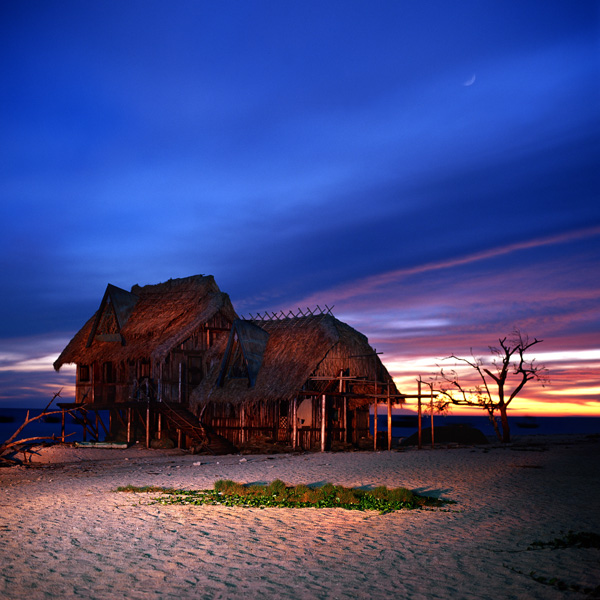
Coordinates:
column 405, row 425
column 402, row 425
column 12, row 418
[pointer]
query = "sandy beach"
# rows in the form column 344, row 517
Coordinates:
column 66, row 533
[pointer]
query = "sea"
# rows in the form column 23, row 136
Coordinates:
column 402, row 425
column 12, row 418
column 405, row 425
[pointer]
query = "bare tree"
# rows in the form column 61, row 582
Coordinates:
column 500, row 382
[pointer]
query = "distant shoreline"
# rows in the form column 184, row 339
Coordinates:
column 402, row 425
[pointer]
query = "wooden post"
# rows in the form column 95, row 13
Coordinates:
column 431, row 410
column 375, row 426
column 129, row 411
column 420, row 445
column 294, row 423
column 389, row 416
column 62, row 426
column 180, row 391
column 242, row 424
column 323, row 421
column 159, row 434
column 148, row 426
column 179, row 438
column 159, row 390
column 345, row 419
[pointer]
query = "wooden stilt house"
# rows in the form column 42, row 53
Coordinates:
column 143, row 352
column 306, row 381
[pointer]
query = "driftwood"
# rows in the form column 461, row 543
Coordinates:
column 15, row 444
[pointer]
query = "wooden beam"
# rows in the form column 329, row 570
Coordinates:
column 375, row 426
column 242, row 423
column 344, row 405
column 389, row 418
column 419, row 444
column 294, row 423
column 180, row 390
column 148, row 426
column 99, row 420
column 129, row 411
column 323, row 421
column 431, row 411
column 364, row 396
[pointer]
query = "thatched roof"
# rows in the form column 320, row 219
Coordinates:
column 148, row 322
column 297, row 348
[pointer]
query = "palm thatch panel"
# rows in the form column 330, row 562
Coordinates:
column 302, row 352
column 164, row 316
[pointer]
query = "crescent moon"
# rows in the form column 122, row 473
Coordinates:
column 470, row 81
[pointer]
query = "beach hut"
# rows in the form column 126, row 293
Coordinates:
column 143, row 351
column 305, row 381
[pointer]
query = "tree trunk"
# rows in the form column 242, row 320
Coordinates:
column 494, row 423
column 505, row 427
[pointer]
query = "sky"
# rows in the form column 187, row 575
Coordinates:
column 429, row 169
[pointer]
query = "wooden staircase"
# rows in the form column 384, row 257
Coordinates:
column 200, row 436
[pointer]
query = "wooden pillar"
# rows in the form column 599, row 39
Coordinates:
column 180, row 389
column 129, row 411
column 159, row 434
column 294, row 423
column 375, row 419
column 375, row 425
column 344, row 407
column 62, row 426
column 389, row 416
column 148, row 426
column 179, row 438
column 431, row 410
column 345, row 419
column 419, row 445
column 84, row 425
column 323, row 421
column 242, row 423
column 159, row 390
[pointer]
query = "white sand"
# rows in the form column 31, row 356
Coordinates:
column 65, row 533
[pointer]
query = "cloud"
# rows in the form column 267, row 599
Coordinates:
column 372, row 284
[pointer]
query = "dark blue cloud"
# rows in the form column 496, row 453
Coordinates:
column 288, row 148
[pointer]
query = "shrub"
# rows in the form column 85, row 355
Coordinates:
column 277, row 493
column 276, row 488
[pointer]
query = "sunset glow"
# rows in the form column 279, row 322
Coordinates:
column 430, row 172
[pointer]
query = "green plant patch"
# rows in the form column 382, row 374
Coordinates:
column 133, row 489
column 279, row 494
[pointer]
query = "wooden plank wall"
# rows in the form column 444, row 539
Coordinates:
column 274, row 422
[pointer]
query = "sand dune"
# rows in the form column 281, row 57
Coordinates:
column 65, row 533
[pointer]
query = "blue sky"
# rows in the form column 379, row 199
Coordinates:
column 431, row 169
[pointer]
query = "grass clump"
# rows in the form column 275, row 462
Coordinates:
column 133, row 489
column 279, row 494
